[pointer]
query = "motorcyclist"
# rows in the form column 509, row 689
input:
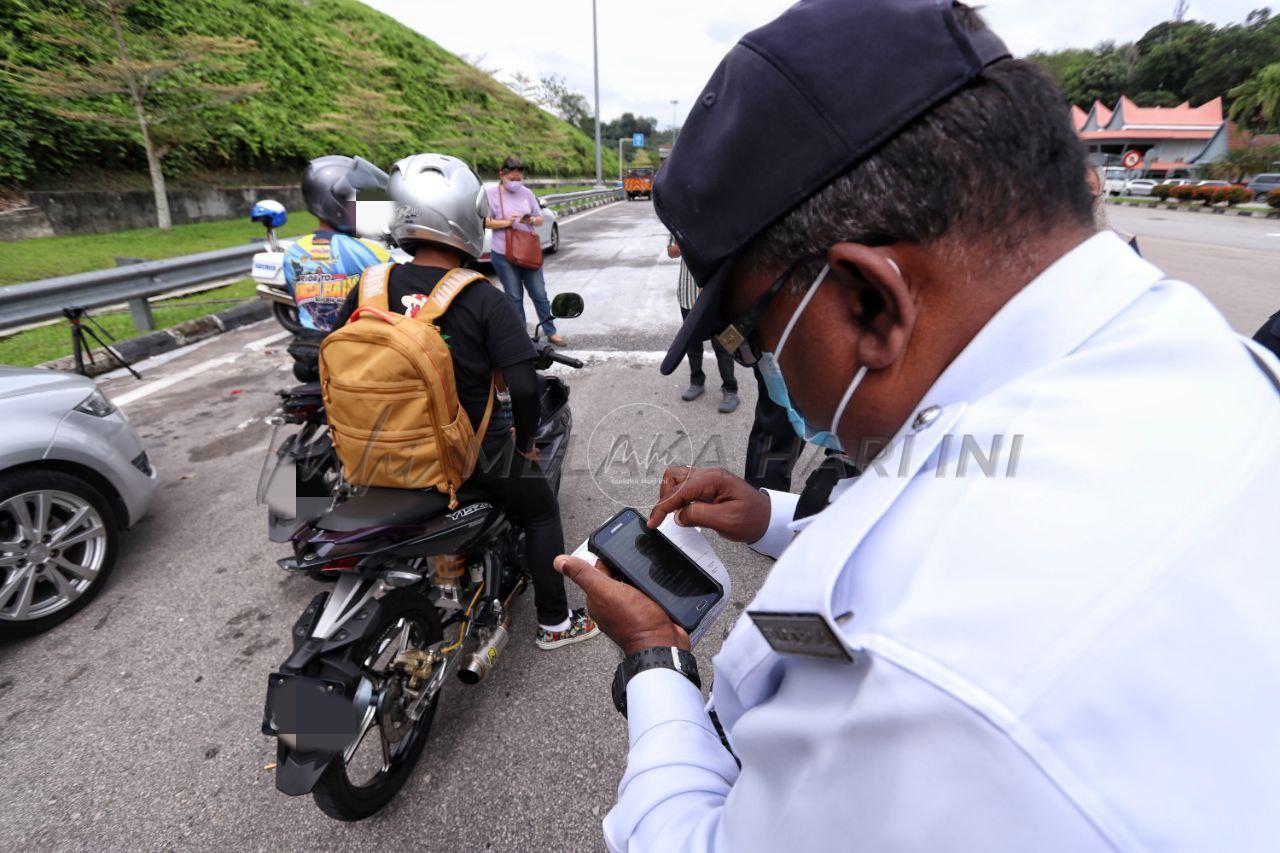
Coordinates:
column 439, row 219
column 321, row 267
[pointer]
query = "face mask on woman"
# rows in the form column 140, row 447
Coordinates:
column 513, row 183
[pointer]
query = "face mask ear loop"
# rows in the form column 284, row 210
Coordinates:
column 857, row 379
column 844, row 401
column 791, row 324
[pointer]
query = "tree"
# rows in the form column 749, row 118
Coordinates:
column 1232, row 56
column 1169, row 55
column 627, row 125
column 555, row 95
column 1255, row 103
column 523, row 85
column 1103, row 78
column 162, row 87
column 642, row 158
column 1238, row 163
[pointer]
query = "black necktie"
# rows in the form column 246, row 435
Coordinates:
column 817, row 489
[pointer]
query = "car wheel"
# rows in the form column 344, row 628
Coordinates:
column 58, row 538
column 555, row 240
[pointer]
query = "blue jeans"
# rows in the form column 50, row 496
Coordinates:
column 515, row 281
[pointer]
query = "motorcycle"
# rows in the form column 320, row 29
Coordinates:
column 421, row 592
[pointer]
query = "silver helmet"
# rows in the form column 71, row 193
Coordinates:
column 438, row 199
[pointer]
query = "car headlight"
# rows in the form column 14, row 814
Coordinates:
column 96, row 404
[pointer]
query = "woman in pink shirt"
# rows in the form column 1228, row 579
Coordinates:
column 512, row 205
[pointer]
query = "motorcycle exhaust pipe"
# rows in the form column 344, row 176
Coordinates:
column 478, row 663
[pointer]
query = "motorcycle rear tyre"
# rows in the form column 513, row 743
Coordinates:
column 334, row 793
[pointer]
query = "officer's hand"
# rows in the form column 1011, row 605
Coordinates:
column 628, row 616
column 714, row 498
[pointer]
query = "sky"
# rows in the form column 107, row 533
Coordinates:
column 662, row 50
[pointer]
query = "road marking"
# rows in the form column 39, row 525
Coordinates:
column 262, row 343
column 246, row 422
column 585, row 213
column 169, row 381
column 157, row 360
column 1273, row 235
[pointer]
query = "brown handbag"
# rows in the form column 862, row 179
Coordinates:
column 524, row 248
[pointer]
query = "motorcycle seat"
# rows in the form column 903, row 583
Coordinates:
column 304, row 390
column 380, row 507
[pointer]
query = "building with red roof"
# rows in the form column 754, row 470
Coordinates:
column 1171, row 141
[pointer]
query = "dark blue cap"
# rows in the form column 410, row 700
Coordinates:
column 792, row 106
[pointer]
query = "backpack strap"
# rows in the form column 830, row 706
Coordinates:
column 373, row 287
column 443, row 294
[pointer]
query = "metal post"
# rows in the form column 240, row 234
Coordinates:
column 673, row 121
column 595, row 53
column 619, row 159
column 140, row 311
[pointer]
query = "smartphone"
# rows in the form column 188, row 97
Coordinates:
column 649, row 561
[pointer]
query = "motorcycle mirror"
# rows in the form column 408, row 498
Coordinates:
column 567, row 306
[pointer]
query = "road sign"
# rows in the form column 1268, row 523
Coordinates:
column 637, row 139
column 1132, row 159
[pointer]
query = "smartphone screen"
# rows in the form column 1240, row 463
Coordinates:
column 659, row 569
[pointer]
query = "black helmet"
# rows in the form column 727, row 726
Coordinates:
column 330, row 185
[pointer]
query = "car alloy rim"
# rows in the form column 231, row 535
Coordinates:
column 52, row 547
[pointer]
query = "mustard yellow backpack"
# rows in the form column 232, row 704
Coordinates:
column 390, row 396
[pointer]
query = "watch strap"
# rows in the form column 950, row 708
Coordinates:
column 658, row 657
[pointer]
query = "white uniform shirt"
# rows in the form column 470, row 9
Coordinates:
column 1082, row 656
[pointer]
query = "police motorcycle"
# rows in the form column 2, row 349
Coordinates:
column 421, row 593
column 268, row 266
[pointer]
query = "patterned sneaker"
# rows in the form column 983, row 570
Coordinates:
column 581, row 627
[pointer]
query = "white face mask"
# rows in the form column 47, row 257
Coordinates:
column 512, row 183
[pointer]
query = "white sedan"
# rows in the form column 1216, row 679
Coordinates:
column 1139, row 186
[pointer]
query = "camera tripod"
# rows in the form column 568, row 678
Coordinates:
column 81, row 334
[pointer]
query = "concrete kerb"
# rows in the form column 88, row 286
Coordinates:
column 1189, row 208
column 165, row 340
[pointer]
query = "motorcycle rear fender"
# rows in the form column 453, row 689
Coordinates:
column 297, row 773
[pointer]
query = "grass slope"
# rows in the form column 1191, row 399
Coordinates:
column 305, row 58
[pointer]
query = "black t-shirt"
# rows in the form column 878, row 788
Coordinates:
column 481, row 327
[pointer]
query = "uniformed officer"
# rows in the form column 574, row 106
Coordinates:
column 1043, row 618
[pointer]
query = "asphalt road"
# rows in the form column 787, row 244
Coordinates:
column 1232, row 259
column 135, row 725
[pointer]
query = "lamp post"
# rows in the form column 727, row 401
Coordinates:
column 621, row 139
column 595, row 53
column 673, row 121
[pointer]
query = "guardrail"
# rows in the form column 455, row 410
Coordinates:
column 34, row 301
column 575, row 202
column 41, row 300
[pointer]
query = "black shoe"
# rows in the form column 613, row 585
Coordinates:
column 730, row 403
column 693, row 392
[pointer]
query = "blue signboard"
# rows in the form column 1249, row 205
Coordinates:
column 637, row 139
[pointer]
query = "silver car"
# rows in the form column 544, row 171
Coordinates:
column 73, row 475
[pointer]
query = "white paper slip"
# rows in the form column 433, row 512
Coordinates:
column 692, row 542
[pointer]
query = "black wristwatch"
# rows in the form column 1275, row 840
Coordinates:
column 658, row 657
